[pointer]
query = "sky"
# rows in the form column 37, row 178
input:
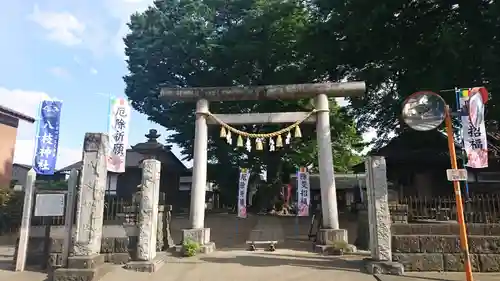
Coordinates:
column 71, row 51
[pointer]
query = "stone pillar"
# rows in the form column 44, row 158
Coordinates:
column 160, row 229
column 330, row 230
column 24, row 233
column 90, row 204
column 379, row 218
column 199, row 184
column 148, row 209
column 86, row 262
column 198, row 233
column 168, row 241
column 147, row 260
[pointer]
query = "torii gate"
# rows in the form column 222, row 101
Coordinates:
column 319, row 91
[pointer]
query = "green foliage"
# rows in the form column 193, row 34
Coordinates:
column 11, row 206
column 341, row 247
column 197, row 43
column 400, row 47
column 190, row 248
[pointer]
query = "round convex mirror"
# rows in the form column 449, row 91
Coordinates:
column 424, row 111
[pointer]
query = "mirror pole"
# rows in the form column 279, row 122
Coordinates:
column 458, row 196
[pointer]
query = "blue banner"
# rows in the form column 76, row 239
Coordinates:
column 47, row 137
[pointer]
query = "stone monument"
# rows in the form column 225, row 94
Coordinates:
column 379, row 219
column 151, row 149
column 147, row 260
column 86, row 263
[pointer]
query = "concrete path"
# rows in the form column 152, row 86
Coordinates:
column 438, row 276
column 243, row 265
column 291, row 261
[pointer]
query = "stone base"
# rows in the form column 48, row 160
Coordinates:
column 117, row 258
column 147, row 266
column 384, row 267
column 207, row 248
column 329, row 236
column 200, row 236
column 82, row 268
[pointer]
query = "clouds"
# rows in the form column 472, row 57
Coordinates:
column 61, row 27
column 98, row 26
column 27, row 102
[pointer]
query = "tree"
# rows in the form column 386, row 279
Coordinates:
column 400, row 47
column 225, row 43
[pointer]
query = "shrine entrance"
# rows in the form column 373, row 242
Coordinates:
column 320, row 92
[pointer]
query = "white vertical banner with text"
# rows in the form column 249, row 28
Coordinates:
column 242, row 192
column 119, row 123
column 475, row 139
column 303, row 192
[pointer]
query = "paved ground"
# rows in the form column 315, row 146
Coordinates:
column 438, row 276
column 292, row 261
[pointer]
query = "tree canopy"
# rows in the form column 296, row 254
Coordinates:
column 202, row 43
column 400, row 47
column 397, row 47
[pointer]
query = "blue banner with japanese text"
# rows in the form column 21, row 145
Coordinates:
column 47, row 137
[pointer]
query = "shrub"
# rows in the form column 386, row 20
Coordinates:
column 11, row 204
column 340, row 247
column 190, row 248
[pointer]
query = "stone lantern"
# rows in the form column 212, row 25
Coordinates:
column 151, row 148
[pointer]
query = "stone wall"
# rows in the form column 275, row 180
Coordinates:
column 43, row 252
column 436, row 247
column 118, row 244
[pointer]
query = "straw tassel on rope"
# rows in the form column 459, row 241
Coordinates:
column 239, row 141
column 222, row 132
column 279, row 141
column 258, row 144
column 298, row 133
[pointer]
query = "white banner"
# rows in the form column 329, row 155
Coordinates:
column 475, row 140
column 119, row 123
column 303, row 193
column 242, row 192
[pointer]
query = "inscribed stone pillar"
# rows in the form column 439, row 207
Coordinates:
column 378, row 209
column 148, row 209
column 90, row 204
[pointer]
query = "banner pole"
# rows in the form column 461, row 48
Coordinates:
column 297, row 204
column 458, row 197
column 462, row 150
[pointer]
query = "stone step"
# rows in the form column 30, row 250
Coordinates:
column 148, row 266
column 80, row 274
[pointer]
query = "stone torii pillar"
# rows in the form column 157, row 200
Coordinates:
column 319, row 91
